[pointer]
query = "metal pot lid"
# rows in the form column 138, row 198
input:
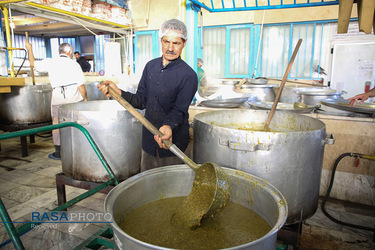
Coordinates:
column 249, row 86
column 257, row 81
column 230, row 82
column 224, row 103
column 282, row 106
column 342, row 104
column 318, row 91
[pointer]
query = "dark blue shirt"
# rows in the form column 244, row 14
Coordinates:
column 165, row 93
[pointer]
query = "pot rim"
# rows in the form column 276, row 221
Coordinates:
column 248, row 86
column 198, row 119
column 261, row 183
column 319, row 92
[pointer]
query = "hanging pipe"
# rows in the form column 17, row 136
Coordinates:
column 7, row 31
column 24, row 58
column 370, row 157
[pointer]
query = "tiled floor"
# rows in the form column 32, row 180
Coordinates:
column 27, row 184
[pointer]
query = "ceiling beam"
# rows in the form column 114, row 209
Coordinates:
column 43, row 27
column 24, row 20
column 92, row 25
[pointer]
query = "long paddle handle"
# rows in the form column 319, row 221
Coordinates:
column 31, row 61
column 266, row 126
column 172, row 147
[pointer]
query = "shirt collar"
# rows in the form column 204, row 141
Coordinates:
column 63, row 55
column 171, row 63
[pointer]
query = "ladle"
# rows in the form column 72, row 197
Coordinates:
column 282, row 84
column 210, row 192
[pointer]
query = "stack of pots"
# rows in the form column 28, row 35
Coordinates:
column 290, row 157
column 115, row 131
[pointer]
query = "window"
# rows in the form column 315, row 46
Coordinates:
column 99, row 52
column 147, row 47
column 278, row 45
column 239, row 51
column 38, row 44
column 214, row 51
column 232, row 51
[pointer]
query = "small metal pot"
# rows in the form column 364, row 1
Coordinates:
column 312, row 96
column 288, row 95
column 259, row 93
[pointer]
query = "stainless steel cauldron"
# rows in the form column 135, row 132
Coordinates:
column 115, row 131
column 26, row 104
column 290, row 158
column 174, row 181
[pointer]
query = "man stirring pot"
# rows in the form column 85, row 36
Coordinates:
column 166, row 89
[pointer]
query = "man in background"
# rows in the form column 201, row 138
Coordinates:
column 67, row 82
column 202, row 82
column 85, row 65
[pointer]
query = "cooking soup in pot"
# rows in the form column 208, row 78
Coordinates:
column 235, row 225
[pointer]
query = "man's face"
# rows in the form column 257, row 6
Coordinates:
column 77, row 56
column 172, row 47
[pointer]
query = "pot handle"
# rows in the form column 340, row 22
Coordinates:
column 80, row 122
column 246, row 146
column 330, row 139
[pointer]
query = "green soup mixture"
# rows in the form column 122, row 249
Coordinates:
column 235, row 225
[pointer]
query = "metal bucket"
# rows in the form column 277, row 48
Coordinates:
column 290, row 158
column 174, row 181
column 115, row 131
column 26, row 104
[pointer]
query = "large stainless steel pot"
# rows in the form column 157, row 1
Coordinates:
column 26, row 104
column 290, row 158
column 115, row 131
column 312, row 96
column 259, row 93
column 174, row 181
